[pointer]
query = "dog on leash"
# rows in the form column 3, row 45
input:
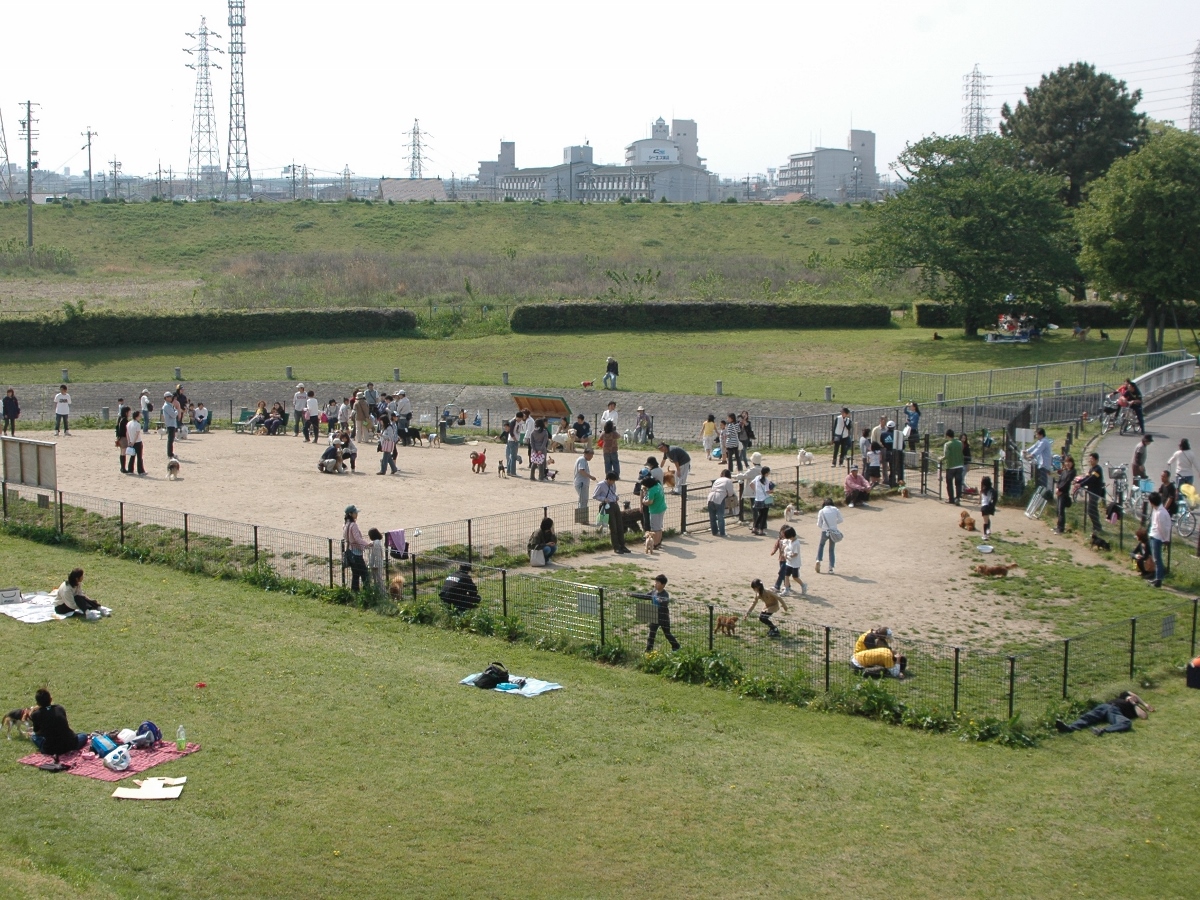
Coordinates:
column 965, row 521
column 172, row 469
column 727, row 625
column 995, row 571
column 479, row 462
column 1100, row 543
column 804, row 458
column 18, row 719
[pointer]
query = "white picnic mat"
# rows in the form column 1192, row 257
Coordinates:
column 33, row 608
column 531, row 688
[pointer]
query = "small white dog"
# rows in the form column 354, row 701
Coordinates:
column 627, row 437
column 172, row 469
column 790, row 513
column 804, row 458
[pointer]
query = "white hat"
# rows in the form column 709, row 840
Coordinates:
column 641, row 409
column 891, row 424
column 755, row 458
column 402, row 393
column 167, row 394
column 145, row 391
column 299, row 385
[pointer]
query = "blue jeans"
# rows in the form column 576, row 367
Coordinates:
column 1105, row 712
column 61, row 419
column 200, row 427
column 510, row 456
column 1160, row 570
column 612, row 463
column 610, row 380
column 548, row 550
column 716, row 518
column 389, row 459
column 821, row 549
column 39, row 741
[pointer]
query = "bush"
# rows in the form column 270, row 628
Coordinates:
column 1089, row 315
column 585, row 316
column 110, row 329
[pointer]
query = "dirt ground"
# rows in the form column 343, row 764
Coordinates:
column 904, row 562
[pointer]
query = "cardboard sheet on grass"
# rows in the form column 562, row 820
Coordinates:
column 531, row 688
column 87, row 764
column 152, row 789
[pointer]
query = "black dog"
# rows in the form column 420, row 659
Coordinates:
column 1100, row 543
column 411, row 434
column 633, row 520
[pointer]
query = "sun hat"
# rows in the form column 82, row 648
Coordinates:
column 351, row 509
column 891, row 424
column 641, row 409
column 300, row 385
column 755, row 458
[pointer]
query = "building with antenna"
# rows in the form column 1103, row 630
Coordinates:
column 830, row 173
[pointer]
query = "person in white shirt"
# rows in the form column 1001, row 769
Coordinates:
column 1041, row 454
column 828, row 520
column 843, row 435
column 133, row 443
column 299, row 407
column 71, row 599
column 1184, row 462
column 1160, row 533
column 583, row 476
column 722, row 489
column 145, row 405
column 763, row 488
column 343, row 416
column 609, row 415
column 62, row 410
column 200, row 418
column 312, row 417
column 404, row 414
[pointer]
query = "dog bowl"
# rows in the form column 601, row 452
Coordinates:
column 984, row 548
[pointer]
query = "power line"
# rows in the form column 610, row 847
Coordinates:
column 237, row 154
column 204, row 153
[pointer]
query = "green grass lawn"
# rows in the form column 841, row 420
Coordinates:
column 862, row 366
column 341, row 757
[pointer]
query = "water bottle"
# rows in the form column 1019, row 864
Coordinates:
column 180, row 739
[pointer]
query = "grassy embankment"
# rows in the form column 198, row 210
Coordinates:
column 340, row 755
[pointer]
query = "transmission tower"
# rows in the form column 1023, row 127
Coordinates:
column 976, row 122
column 204, row 153
column 237, row 157
column 414, row 151
column 347, row 189
column 6, row 186
column 116, row 176
column 305, row 184
column 1194, row 118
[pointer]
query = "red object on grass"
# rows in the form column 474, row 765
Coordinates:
column 201, row 684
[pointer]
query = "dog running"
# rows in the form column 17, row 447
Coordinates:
column 995, row 571
column 479, row 462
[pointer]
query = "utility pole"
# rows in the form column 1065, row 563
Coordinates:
column 290, row 171
column 89, row 134
column 116, row 177
column 27, row 128
column 204, row 155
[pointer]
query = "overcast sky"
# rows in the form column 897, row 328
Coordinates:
column 331, row 84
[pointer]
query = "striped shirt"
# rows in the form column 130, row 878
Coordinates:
column 731, row 434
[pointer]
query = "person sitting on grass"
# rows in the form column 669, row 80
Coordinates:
column 874, row 658
column 858, row 489
column 71, row 599
column 1117, row 714
column 52, row 733
column 771, row 602
column 544, row 539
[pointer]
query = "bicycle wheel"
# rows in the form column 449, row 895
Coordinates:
column 1186, row 523
column 1106, row 424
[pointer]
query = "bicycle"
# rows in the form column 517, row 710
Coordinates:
column 1185, row 519
column 1108, row 415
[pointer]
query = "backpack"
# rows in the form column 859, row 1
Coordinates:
column 149, row 728
column 102, row 745
column 493, row 675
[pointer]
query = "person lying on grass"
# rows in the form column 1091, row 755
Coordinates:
column 1117, row 714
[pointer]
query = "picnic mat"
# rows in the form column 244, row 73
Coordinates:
column 531, row 688
column 33, row 608
column 89, row 765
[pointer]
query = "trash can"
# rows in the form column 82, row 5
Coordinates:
column 442, row 430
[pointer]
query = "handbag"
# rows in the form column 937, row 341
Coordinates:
column 347, row 559
column 770, row 501
column 602, row 519
column 835, row 535
column 537, row 557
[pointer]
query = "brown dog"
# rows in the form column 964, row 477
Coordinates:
column 965, row 521
column 668, row 480
column 396, row 588
column 995, row 571
column 479, row 462
column 19, row 719
column 727, row 625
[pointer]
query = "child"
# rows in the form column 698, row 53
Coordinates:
column 987, row 503
column 375, row 559
column 874, row 462
column 787, row 545
column 662, row 600
column 770, row 601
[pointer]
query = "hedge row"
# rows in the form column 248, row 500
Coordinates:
column 1088, row 315
column 108, row 329
column 686, row 316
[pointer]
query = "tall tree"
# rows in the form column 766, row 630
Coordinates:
column 976, row 224
column 1075, row 124
column 1141, row 228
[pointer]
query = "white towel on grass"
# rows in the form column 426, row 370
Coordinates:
column 33, row 608
column 532, row 687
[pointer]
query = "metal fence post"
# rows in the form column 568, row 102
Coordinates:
column 256, row 545
column 60, row 513
column 797, row 485
column 1132, row 642
column 1012, row 683
column 504, row 594
column 469, row 551
column 601, row 591
column 185, row 535
column 710, row 627
column 683, row 510
column 413, row 557
column 331, row 562
column 1066, row 665
column 122, row 532
column 4, row 491
column 956, row 652
column 827, row 659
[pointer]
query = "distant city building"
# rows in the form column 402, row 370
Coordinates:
column 828, row 173
column 665, row 165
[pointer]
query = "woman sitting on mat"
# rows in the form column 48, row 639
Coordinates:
column 71, row 599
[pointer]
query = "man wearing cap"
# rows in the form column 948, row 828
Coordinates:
column 170, row 412
column 953, row 465
column 459, row 591
column 683, row 464
column 858, row 489
column 641, row 427
column 299, row 406
column 610, row 374
column 145, row 405
column 404, row 413
column 362, row 418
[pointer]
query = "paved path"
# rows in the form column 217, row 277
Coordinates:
column 1167, row 424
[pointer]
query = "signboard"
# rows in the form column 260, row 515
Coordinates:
column 29, row 462
column 1025, row 435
